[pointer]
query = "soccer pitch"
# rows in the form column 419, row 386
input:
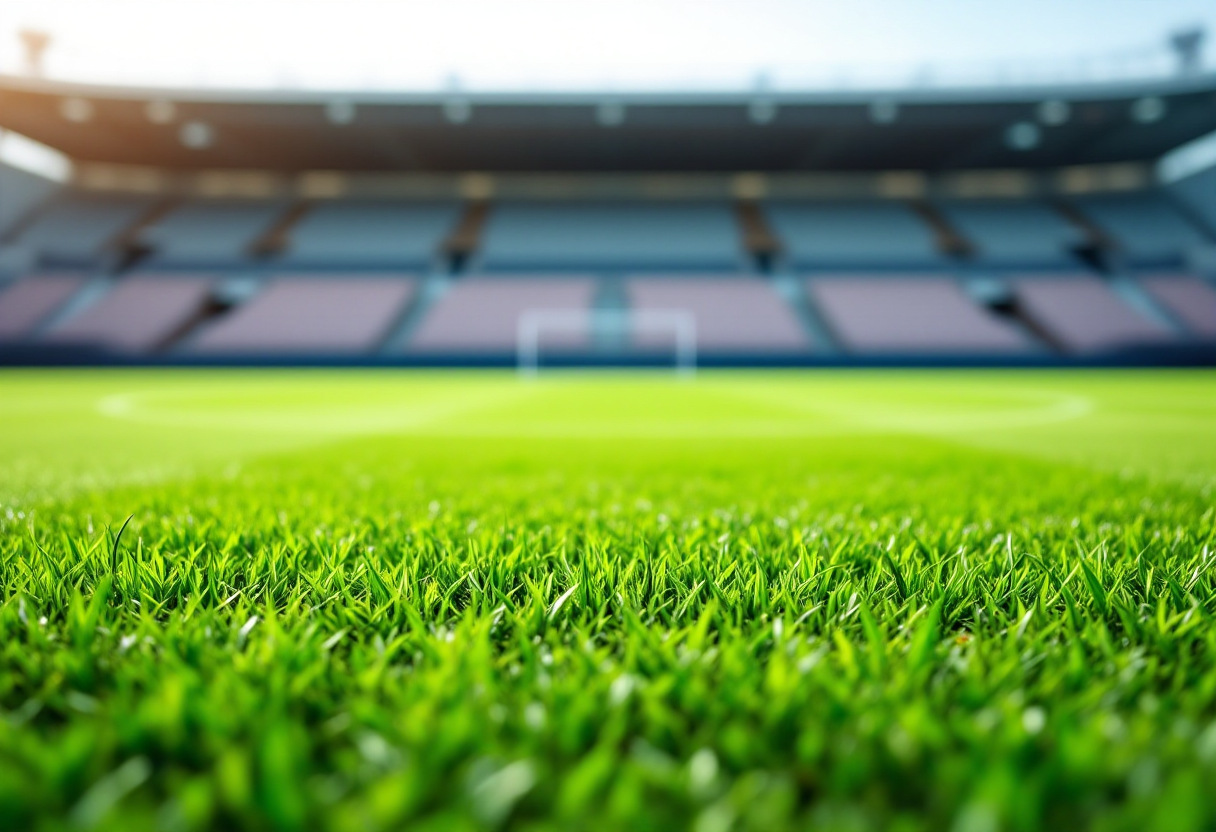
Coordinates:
column 969, row 601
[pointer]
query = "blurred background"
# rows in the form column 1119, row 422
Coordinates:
column 536, row 183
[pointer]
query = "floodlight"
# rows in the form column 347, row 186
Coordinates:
column 197, row 135
column 1149, row 109
column 610, row 114
column 160, row 111
column 1188, row 46
column 457, row 110
column 1054, row 112
column 78, row 110
column 1023, row 136
column 884, row 111
column 35, row 44
column 761, row 111
column 340, row 111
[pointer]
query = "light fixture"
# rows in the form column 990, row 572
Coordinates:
column 884, row 111
column 1148, row 110
column 457, row 110
column 340, row 111
column 610, row 114
column 35, row 43
column 1023, row 136
column 78, row 110
column 1054, row 112
column 761, row 111
column 160, row 111
column 197, row 135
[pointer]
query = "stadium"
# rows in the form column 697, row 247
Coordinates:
column 781, row 451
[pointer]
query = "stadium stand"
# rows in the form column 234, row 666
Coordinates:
column 863, row 235
column 1198, row 191
column 75, row 230
column 365, row 234
column 908, row 314
column 1149, row 230
column 521, row 236
column 21, row 193
column 1015, row 233
column 138, row 314
column 1191, row 301
column 215, row 233
column 310, row 316
column 27, row 303
column 481, row 314
column 1081, row 314
column 733, row 315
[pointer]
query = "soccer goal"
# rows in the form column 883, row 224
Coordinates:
column 569, row 327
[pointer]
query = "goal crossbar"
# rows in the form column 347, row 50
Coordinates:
column 533, row 323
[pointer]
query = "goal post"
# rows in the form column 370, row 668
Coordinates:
column 534, row 324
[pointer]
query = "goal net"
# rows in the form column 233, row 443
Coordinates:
column 619, row 330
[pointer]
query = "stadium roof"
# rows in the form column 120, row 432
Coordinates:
column 928, row 129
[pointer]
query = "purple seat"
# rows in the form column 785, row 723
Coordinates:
column 29, row 302
column 910, row 314
column 138, row 314
column 1082, row 314
column 312, row 315
column 1191, row 300
column 481, row 314
column 731, row 314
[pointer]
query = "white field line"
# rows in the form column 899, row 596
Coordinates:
column 435, row 417
column 1052, row 407
column 147, row 407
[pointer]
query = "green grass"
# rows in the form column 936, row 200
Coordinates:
column 954, row 601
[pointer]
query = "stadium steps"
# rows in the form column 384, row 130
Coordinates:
column 126, row 247
column 1134, row 295
column 1097, row 249
column 611, row 297
column 432, row 288
column 1146, row 228
column 758, row 238
column 91, row 292
column 946, row 236
column 277, row 236
column 466, row 238
column 1082, row 314
column 791, row 291
column 996, row 295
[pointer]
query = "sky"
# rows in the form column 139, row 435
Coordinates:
column 595, row 44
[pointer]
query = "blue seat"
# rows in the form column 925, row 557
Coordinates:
column 863, row 235
column 1015, row 233
column 366, row 234
column 1147, row 227
column 606, row 236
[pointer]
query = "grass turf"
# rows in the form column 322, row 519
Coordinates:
column 918, row 601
